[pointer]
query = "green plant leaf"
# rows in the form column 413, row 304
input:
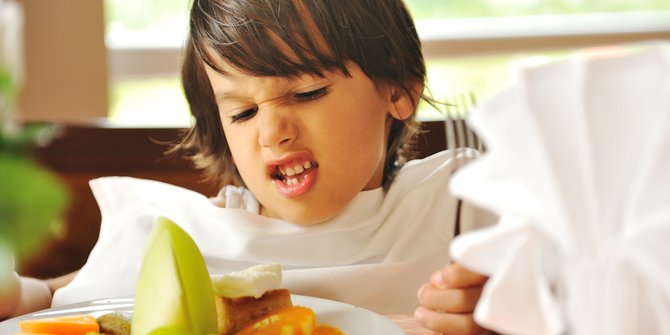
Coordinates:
column 6, row 86
column 32, row 201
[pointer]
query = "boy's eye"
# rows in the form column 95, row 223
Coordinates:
column 311, row 95
column 245, row 115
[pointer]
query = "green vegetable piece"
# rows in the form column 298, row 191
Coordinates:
column 171, row 331
column 174, row 290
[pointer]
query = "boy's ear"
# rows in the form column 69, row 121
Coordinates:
column 403, row 103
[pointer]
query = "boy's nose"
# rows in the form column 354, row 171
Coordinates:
column 276, row 128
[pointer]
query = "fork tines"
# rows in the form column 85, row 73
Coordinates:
column 458, row 133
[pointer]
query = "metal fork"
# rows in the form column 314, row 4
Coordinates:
column 458, row 133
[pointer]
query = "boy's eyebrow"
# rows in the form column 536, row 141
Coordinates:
column 222, row 95
column 232, row 94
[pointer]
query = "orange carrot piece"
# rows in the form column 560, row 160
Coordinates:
column 63, row 325
column 327, row 330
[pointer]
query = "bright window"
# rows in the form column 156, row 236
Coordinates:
column 441, row 9
column 469, row 45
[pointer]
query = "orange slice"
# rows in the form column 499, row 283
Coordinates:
column 63, row 325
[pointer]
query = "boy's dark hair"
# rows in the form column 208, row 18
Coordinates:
column 379, row 36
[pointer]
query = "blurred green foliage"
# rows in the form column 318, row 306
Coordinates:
column 32, row 199
column 31, row 202
column 6, row 83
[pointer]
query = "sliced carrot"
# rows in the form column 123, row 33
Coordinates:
column 327, row 330
column 294, row 320
column 62, row 325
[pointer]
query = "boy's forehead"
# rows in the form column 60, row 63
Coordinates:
column 222, row 66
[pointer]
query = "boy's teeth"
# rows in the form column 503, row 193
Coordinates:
column 297, row 169
column 289, row 172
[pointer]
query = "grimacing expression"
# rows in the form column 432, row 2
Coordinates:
column 298, row 41
column 305, row 145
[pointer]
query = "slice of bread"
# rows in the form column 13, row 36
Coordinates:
column 236, row 313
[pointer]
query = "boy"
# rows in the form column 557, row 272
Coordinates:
column 303, row 113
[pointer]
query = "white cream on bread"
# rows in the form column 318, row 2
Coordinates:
column 250, row 282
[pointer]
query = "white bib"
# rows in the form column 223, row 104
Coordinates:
column 375, row 254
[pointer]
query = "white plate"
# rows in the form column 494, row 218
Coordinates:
column 350, row 319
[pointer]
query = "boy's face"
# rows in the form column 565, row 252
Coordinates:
column 304, row 146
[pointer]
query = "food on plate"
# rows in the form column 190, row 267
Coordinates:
column 248, row 295
column 170, row 330
column 327, row 330
column 62, row 325
column 251, row 282
column 114, row 324
column 175, row 295
column 289, row 320
column 251, row 302
column 236, row 313
column 174, row 287
column 293, row 320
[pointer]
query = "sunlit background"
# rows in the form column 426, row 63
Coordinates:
column 144, row 37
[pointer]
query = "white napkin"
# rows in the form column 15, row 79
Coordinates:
column 374, row 254
column 578, row 170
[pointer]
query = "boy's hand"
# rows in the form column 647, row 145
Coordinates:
column 10, row 296
column 447, row 303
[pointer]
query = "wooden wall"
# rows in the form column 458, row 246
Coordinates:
column 84, row 152
column 65, row 61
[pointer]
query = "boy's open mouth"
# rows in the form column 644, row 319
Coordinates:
column 291, row 174
column 294, row 179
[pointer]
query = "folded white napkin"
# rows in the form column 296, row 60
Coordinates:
column 578, row 169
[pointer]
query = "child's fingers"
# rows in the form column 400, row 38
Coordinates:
column 458, row 300
column 10, row 296
column 446, row 323
column 455, row 275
